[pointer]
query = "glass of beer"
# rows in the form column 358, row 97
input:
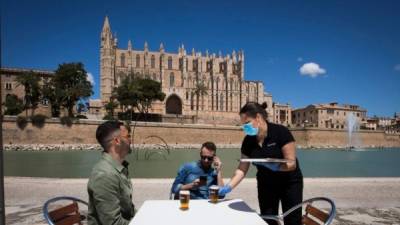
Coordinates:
column 184, row 197
column 214, row 193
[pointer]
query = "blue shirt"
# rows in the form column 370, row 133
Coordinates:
column 189, row 172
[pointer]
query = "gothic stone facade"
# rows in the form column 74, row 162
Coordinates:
column 178, row 74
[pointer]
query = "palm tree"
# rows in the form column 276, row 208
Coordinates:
column 30, row 81
column 199, row 90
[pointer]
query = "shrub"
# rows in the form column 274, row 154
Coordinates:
column 108, row 117
column 66, row 120
column 22, row 122
column 81, row 117
column 38, row 120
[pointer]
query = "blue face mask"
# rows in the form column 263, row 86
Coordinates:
column 249, row 129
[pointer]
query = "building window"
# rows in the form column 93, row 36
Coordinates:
column 191, row 101
column 153, row 61
column 122, row 60
column 195, row 65
column 222, row 103
column 154, row 76
column 8, row 86
column 137, row 61
column 180, row 64
column 208, row 66
column 216, row 102
column 358, row 114
column 170, row 63
column 187, row 95
column 330, row 111
column 171, row 80
column 222, row 67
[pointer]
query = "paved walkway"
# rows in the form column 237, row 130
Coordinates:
column 359, row 201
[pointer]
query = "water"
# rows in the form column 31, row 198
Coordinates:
column 352, row 125
column 314, row 163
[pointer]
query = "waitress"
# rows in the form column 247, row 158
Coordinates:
column 276, row 182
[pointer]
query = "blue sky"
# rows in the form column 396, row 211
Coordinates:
column 349, row 50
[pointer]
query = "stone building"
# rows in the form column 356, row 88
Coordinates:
column 282, row 114
column 179, row 73
column 332, row 115
column 10, row 86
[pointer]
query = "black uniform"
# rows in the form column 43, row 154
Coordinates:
column 275, row 186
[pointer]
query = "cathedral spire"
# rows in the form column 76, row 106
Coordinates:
column 106, row 35
column 161, row 47
column 129, row 45
column 106, row 25
column 146, row 46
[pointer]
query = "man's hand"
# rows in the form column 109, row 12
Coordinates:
column 217, row 163
column 195, row 184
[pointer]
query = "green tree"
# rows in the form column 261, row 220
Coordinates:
column 71, row 81
column 127, row 93
column 149, row 91
column 53, row 95
column 13, row 105
column 138, row 93
column 30, row 82
column 199, row 90
column 110, row 107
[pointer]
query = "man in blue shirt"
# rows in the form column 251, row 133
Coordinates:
column 199, row 175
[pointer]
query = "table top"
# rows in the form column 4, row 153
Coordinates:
column 225, row 212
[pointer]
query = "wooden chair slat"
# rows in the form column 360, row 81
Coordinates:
column 63, row 211
column 317, row 213
column 308, row 221
column 69, row 220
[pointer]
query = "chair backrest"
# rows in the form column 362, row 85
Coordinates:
column 315, row 216
column 66, row 215
column 312, row 216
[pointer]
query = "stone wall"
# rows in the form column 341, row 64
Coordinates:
column 83, row 132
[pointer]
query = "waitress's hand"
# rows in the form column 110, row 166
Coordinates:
column 224, row 190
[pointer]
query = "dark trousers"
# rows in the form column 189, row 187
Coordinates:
column 280, row 187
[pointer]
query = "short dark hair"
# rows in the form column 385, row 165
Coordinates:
column 104, row 132
column 252, row 108
column 209, row 145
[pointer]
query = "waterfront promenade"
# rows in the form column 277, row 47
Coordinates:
column 359, row 201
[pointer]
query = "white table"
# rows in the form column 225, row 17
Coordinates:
column 201, row 212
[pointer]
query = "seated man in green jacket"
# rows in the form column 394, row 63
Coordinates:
column 109, row 186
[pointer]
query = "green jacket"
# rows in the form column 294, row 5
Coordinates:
column 110, row 193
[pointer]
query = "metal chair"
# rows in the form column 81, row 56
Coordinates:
column 312, row 216
column 66, row 215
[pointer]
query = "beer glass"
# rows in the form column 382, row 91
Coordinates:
column 214, row 193
column 184, row 196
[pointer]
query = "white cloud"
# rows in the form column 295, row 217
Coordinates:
column 397, row 67
column 311, row 69
column 299, row 59
column 90, row 78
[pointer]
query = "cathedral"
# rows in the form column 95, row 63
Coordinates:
column 179, row 74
